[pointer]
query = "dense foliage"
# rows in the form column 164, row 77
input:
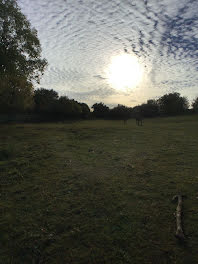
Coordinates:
column 20, row 49
column 16, row 94
column 50, row 105
column 20, row 58
column 100, row 110
column 121, row 112
column 173, row 103
column 168, row 104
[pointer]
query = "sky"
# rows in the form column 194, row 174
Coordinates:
column 81, row 38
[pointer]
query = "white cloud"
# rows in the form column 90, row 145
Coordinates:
column 79, row 37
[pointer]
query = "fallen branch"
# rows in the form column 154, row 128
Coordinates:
column 179, row 231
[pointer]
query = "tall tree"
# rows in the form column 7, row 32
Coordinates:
column 68, row 108
column 85, row 110
column 173, row 103
column 100, row 110
column 16, row 94
column 121, row 112
column 45, row 100
column 20, row 49
column 150, row 109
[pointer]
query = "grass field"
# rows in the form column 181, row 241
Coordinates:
column 98, row 192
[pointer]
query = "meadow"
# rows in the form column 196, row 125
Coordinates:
column 98, row 191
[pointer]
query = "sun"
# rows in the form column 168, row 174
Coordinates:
column 124, row 72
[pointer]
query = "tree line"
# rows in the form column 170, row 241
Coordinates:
column 49, row 104
column 21, row 66
column 167, row 105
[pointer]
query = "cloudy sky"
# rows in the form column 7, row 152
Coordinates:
column 81, row 38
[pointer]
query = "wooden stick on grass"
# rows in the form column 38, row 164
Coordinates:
column 179, row 231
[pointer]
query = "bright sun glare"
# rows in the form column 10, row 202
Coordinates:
column 124, row 72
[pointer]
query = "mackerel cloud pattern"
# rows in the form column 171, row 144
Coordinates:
column 79, row 37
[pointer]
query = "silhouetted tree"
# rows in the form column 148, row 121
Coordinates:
column 121, row 112
column 67, row 108
column 150, row 109
column 20, row 56
column 76, row 109
column 16, row 94
column 20, row 49
column 85, row 110
column 173, row 104
column 195, row 105
column 45, row 101
column 53, row 107
column 100, row 110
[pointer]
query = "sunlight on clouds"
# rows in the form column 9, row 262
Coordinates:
column 79, row 37
column 124, row 72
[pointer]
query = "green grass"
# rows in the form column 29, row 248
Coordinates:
column 98, row 192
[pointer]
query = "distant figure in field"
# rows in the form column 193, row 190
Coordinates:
column 139, row 119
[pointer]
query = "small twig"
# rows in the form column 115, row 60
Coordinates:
column 179, row 231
